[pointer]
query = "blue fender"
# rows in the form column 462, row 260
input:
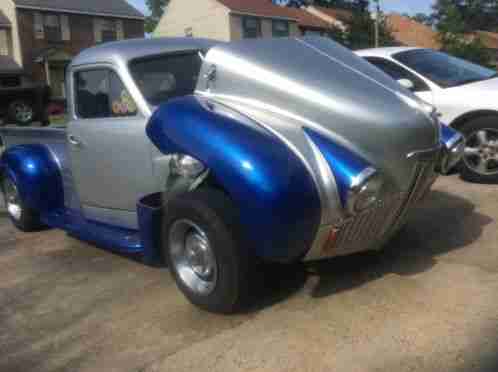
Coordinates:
column 36, row 174
column 276, row 196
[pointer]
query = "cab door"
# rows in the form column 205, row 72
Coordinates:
column 110, row 153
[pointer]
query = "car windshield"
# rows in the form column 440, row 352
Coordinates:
column 443, row 69
column 161, row 78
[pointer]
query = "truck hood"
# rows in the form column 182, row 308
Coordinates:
column 314, row 82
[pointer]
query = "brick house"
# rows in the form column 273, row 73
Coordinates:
column 229, row 20
column 42, row 36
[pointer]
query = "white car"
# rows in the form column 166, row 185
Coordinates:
column 465, row 94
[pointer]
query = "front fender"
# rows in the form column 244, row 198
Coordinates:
column 277, row 198
column 36, row 174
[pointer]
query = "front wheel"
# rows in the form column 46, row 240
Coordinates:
column 204, row 250
column 480, row 161
column 21, row 216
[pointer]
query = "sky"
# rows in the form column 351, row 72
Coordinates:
column 400, row 6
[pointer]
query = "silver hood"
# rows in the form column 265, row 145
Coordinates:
column 288, row 84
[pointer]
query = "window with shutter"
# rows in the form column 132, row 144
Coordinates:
column 109, row 30
column 52, row 27
column 39, row 26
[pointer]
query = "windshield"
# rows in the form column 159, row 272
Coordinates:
column 161, row 78
column 443, row 69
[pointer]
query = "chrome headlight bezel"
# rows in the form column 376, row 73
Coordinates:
column 186, row 166
column 365, row 191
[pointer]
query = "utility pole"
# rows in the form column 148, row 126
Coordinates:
column 377, row 20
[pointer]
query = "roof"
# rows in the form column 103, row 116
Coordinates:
column 489, row 39
column 265, row 8
column 130, row 49
column 339, row 14
column 411, row 33
column 4, row 21
column 8, row 65
column 111, row 8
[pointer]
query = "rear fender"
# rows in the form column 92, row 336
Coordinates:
column 276, row 196
column 36, row 174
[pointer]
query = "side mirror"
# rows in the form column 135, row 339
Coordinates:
column 408, row 84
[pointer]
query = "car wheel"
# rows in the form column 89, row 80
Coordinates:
column 480, row 160
column 21, row 112
column 204, row 250
column 24, row 218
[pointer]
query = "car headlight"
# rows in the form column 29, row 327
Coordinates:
column 359, row 184
column 186, row 166
column 365, row 191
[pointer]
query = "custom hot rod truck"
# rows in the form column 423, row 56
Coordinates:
column 207, row 155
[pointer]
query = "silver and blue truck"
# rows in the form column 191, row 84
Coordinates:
column 208, row 156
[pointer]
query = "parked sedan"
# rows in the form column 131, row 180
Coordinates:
column 464, row 93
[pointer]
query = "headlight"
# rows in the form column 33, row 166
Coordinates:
column 186, row 166
column 358, row 183
column 365, row 191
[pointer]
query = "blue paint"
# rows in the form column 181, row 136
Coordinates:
column 447, row 134
column 37, row 176
column 277, row 199
column 149, row 211
column 345, row 165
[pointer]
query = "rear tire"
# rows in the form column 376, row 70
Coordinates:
column 24, row 218
column 21, row 112
column 218, row 281
column 480, row 163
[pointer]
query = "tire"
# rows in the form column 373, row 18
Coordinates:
column 24, row 218
column 212, row 213
column 21, row 112
column 480, row 163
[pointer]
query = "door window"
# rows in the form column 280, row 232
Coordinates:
column 101, row 94
column 397, row 73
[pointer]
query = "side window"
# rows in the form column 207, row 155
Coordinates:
column 101, row 94
column 397, row 73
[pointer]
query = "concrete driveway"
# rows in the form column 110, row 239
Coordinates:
column 429, row 302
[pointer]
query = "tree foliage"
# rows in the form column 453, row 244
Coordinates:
column 156, row 8
column 456, row 32
column 474, row 14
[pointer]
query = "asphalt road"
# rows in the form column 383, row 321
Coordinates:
column 429, row 302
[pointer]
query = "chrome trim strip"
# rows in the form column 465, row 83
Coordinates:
column 360, row 179
column 454, row 140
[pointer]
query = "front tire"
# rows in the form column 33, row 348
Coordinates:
column 480, row 161
column 24, row 218
column 204, row 250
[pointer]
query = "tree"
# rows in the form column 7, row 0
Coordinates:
column 455, row 33
column 156, row 8
column 423, row 18
column 475, row 14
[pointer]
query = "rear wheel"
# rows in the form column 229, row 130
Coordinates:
column 480, row 161
column 22, row 217
column 204, row 250
column 21, row 112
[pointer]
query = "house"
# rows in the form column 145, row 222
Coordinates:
column 228, row 20
column 42, row 36
column 408, row 32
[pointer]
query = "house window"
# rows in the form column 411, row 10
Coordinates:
column 251, row 27
column 280, row 29
column 109, row 30
column 52, row 27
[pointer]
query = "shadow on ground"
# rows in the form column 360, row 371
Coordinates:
column 442, row 223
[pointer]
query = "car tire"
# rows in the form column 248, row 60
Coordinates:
column 24, row 218
column 21, row 112
column 480, row 162
column 205, row 252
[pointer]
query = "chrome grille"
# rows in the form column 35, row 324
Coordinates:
column 370, row 228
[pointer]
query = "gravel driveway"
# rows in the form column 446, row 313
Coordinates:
column 429, row 302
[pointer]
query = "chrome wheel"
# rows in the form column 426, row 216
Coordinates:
column 481, row 152
column 192, row 257
column 23, row 113
column 12, row 200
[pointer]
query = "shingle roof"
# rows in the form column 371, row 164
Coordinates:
column 116, row 8
column 411, row 33
column 265, row 8
column 4, row 21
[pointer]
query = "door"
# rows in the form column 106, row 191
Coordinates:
column 110, row 153
column 397, row 72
